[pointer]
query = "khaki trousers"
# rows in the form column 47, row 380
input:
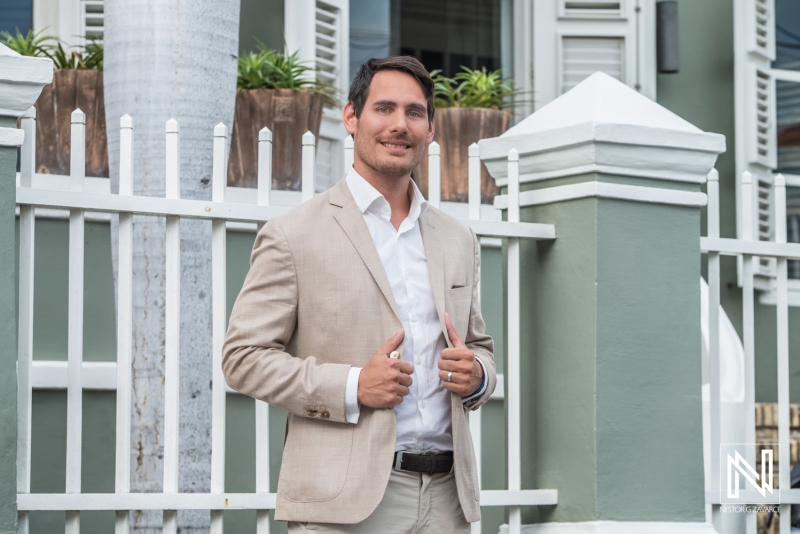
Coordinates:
column 414, row 503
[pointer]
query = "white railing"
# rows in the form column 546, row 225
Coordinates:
column 750, row 249
column 221, row 212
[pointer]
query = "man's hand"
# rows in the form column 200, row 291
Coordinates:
column 467, row 371
column 384, row 381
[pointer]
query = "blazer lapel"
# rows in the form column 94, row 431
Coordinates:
column 352, row 222
column 435, row 257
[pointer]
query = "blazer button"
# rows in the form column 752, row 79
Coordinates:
column 325, row 415
column 311, row 413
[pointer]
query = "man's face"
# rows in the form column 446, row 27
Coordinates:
column 392, row 132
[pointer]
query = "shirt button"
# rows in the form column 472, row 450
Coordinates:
column 419, row 361
column 385, row 209
column 413, row 318
column 422, row 404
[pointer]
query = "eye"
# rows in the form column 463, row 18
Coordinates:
column 415, row 114
column 383, row 109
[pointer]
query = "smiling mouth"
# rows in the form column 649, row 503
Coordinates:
column 396, row 146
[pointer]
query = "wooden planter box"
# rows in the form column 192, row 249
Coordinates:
column 71, row 89
column 289, row 114
column 455, row 130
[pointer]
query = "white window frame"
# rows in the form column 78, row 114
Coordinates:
column 636, row 25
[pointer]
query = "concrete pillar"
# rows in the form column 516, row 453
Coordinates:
column 611, row 343
column 21, row 81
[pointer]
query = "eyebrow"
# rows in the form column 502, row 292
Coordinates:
column 415, row 106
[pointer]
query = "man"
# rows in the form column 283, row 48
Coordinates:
column 377, row 440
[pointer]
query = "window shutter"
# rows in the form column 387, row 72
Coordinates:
column 591, row 8
column 92, row 19
column 756, row 117
column 582, row 56
column 615, row 37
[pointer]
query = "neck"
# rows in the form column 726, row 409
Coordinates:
column 393, row 188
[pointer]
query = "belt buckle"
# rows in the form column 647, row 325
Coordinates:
column 398, row 461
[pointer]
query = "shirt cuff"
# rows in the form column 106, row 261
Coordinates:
column 351, row 409
column 481, row 389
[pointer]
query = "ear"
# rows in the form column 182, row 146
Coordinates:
column 431, row 131
column 349, row 118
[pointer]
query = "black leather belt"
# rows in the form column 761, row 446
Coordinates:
column 431, row 463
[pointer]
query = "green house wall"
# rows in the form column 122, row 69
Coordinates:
column 703, row 94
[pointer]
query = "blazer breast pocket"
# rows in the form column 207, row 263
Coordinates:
column 460, row 293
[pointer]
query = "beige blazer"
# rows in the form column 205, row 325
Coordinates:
column 315, row 302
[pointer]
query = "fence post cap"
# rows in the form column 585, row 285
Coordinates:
column 434, row 149
column 265, row 134
column 172, row 126
column 78, row 117
column 474, row 150
column 348, row 141
column 220, row 130
column 747, row 178
column 780, row 180
column 126, row 121
column 308, row 138
column 713, row 175
column 513, row 155
column 31, row 113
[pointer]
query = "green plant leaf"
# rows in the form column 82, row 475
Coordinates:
column 475, row 89
column 30, row 44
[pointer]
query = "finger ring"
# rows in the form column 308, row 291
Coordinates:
column 450, row 376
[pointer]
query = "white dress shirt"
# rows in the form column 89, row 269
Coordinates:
column 423, row 418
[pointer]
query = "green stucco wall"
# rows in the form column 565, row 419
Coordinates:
column 703, row 94
column 49, row 407
column 8, row 340
column 611, row 360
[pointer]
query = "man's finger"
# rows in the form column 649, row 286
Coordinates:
column 404, row 367
column 459, row 353
column 393, row 342
column 405, row 380
column 451, row 332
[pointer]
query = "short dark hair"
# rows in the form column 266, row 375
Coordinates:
column 359, row 89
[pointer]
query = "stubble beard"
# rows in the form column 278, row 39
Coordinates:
column 389, row 166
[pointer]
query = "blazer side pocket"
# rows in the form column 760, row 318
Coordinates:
column 317, row 455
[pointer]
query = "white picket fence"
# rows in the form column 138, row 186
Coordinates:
column 750, row 248
column 220, row 211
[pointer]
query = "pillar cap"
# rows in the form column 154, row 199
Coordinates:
column 21, row 81
column 602, row 125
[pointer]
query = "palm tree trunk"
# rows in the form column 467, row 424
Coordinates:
column 170, row 59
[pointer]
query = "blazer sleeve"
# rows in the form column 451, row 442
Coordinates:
column 263, row 321
column 481, row 344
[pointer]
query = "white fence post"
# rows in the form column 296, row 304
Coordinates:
column 512, row 379
column 264, row 166
column 475, row 422
column 77, row 170
column 348, row 152
column 172, row 330
column 122, row 477
column 434, row 174
column 782, row 287
column 748, row 329
column 219, row 319
column 713, row 333
column 309, row 154
column 27, row 225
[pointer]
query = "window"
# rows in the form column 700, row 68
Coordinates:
column 443, row 34
column 92, row 19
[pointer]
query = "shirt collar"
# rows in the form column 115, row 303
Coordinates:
column 366, row 195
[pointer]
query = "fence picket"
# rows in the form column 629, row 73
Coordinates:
column 77, row 170
column 748, row 338
column 348, row 152
column 219, row 319
column 434, row 175
column 712, row 189
column 264, row 166
column 512, row 380
column 782, row 287
column 475, row 422
column 172, row 330
column 27, row 225
column 122, row 476
column 309, row 155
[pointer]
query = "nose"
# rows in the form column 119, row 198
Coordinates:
column 399, row 124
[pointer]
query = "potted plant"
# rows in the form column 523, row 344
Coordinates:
column 77, row 83
column 472, row 105
column 278, row 91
